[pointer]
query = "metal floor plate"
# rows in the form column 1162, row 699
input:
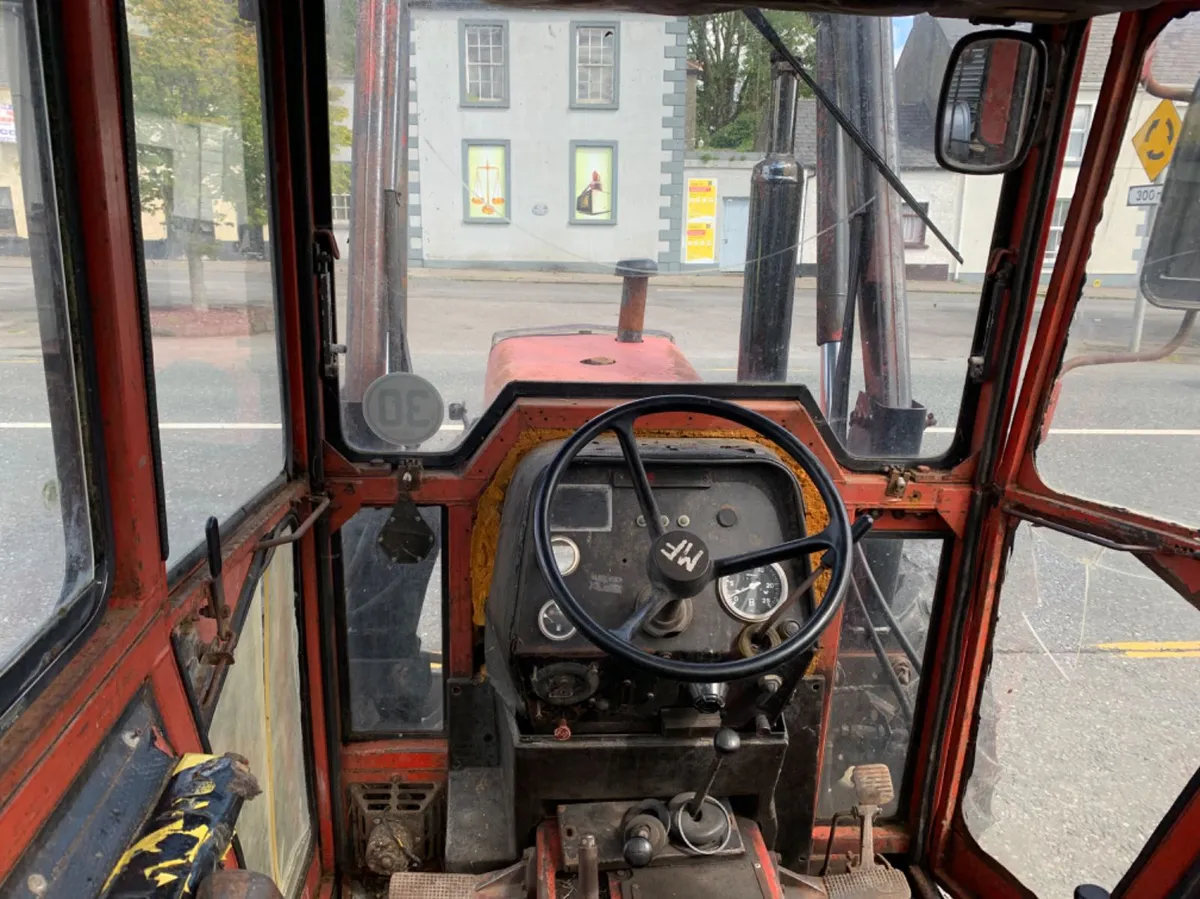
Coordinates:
column 432, row 886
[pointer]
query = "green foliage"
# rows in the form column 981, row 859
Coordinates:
column 734, row 95
column 197, row 101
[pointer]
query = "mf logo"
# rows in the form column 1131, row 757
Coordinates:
column 681, row 554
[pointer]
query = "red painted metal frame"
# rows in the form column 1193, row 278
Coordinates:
column 956, row 858
column 58, row 731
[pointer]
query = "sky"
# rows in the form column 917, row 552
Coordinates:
column 901, row 26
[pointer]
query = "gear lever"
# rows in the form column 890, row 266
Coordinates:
column 725, row 743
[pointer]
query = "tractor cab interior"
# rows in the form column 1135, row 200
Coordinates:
column 573, row 449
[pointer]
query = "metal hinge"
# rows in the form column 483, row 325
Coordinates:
column 898, row 481
column 325, row 252
column 408, row 474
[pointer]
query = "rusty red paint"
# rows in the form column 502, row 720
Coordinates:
column 93, row 84
column 318, row 715
column 458, row 589
column 891, row 838
column 585, row 357
column 172, row 702
column 394, row 756
column 549, row 854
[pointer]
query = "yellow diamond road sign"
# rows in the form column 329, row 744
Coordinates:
column 1155, row 140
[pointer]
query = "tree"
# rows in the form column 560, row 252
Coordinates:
column 197, row 102
column 733, row 99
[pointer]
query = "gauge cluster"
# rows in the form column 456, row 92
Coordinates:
column 735, row 497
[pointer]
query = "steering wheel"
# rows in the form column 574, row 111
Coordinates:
column 679, row 562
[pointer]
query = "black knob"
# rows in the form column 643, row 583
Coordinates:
column 638, row 852
column 726, row 742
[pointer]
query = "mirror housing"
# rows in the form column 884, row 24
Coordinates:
column 1170, row 275
column 990, row 99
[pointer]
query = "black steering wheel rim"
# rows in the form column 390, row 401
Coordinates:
column 621, row 418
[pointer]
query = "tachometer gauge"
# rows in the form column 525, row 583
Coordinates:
column 753, row 595
column 553, row 624
column 566, row 554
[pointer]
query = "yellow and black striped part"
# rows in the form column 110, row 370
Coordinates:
column 189, row 832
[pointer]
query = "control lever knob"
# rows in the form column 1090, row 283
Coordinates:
column 638, row 852
column 725, row 743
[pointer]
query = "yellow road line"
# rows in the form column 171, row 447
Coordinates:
column 1151, row 649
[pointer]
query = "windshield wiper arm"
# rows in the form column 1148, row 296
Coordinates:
column 759, row 21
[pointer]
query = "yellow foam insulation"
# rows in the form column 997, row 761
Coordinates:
column 485, row 533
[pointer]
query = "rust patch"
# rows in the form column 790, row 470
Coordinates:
column 485, row 530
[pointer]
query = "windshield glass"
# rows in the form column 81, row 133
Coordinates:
column 554, row 166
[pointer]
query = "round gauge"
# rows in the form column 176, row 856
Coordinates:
column 553, row 624
column 753, row 595
column 566, row 554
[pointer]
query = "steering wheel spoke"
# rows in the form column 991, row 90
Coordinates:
column 692, row 570
column 819, row 542
column 641, row 481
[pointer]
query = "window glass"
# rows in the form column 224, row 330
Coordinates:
column 202, row 186
column 393, row 620
column 1058, row 219
column 1081, row 117
column 46, row 550
column 595, row 64
column 620, row 142
column 1088, row 720
column 913, row 225
column 876, row 687
column 1125, row 426
column 484, row 59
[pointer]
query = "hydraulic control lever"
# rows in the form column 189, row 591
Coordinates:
column 725, row 743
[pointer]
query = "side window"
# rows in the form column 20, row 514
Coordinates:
column 484, row 67
column 205, row 208
column 47, row 554
column 594, row 66
column 392, row 613
column 1088, row 719
column 1124, row 427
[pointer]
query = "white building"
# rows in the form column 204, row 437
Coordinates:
column 1119, row 239
column 541, row 139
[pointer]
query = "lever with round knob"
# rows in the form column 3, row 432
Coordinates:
column 725, row 743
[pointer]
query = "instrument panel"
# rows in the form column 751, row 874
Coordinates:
column 735, row 495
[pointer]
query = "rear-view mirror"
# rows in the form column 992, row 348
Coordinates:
column 989, row 102
column 1171, row 264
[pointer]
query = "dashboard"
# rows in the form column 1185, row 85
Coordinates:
column 735, row 495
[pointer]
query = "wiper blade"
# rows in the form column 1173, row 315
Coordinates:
column 759, row 21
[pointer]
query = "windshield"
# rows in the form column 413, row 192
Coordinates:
column 554, row 168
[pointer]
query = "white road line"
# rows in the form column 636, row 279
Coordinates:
column 1104, row 432
column 458, row 426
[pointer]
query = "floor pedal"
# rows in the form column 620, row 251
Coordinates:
column 420, row 885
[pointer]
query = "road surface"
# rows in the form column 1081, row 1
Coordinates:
column 1093, row 685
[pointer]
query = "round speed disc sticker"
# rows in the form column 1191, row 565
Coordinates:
column 403, row 408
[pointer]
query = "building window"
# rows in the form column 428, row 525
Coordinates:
column 341, row 207
column 485, row 182
column 484, row 69
column 8, row 215
column 594, row 54
column 1057, row 221
column 1077, row 139
column 593, row 182
column 913, row 226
